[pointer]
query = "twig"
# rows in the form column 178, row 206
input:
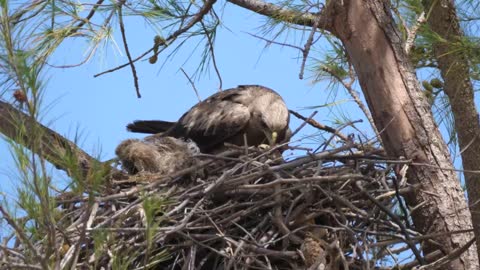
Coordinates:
column 21, row 234
column 192, row 83
column 315, row 124
column 127, row 51
column 89, row 215
column 305, row 121
column 214, row 61
column 447, row 259
column 397, row 220
column 320, row 179
column 308, row 45
column 276, row 42
column 196, row 18
column 354, row 95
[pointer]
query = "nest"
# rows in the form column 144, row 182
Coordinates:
column 242, row 209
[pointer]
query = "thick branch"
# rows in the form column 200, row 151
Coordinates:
column 20, row 127
column 284, row 14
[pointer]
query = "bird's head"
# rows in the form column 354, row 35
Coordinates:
column 274, row 121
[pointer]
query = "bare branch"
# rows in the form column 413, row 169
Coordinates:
column 54, row 146
column 354, row 95
column 198, row 17
column 192, row 83
column 287, row 15
column 308, row 45
column 127, row 51
column 316, row 124
column 214, row 61
column 275, row 42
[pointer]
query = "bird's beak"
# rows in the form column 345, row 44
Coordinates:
column 274, row 138
column 271, row 137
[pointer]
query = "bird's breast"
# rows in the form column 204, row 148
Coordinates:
column 253, row 135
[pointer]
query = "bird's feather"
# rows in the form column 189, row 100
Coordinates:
column 150, row 126
column 248, row 112
column 209, row 125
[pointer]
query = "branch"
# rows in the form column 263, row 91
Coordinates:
column 193, row 84
column 354, row 95
column 316, row 124
column 286, row 15
column 54, row 147
column 196, row 18
column 412, row 33
column 23, row 237
column 214, row 61
column 127, row 51
column 308, row 46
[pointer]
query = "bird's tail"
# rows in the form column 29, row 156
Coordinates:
column 150, row 126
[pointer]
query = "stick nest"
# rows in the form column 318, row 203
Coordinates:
column 242, row 209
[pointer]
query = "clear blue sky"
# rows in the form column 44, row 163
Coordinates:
column 101, row 107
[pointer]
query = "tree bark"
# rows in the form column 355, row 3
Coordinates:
column 402, row 115
column 51, row 145
column 400, row 110
column 454, row 67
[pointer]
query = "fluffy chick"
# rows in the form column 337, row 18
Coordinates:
column 156, row 154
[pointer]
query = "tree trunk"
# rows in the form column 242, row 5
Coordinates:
column 400, row 112
column 454, row 68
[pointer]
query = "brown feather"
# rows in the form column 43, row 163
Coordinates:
column 226, row 116
column 156, row 154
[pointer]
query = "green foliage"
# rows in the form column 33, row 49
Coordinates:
column 437, row 83
column 334, row 62
column 101, row 241
column 153, row 207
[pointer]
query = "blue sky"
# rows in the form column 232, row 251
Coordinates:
column 99, row 108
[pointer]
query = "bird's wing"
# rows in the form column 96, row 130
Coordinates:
column 211, row 122
column 150, row 126
column 159, row 126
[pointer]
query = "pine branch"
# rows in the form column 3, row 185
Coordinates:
column 54, row 147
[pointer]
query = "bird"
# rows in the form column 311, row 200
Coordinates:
column 155, row 154
column 251, row 114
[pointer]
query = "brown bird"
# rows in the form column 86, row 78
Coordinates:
column 154, row 154
column 255, row 111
